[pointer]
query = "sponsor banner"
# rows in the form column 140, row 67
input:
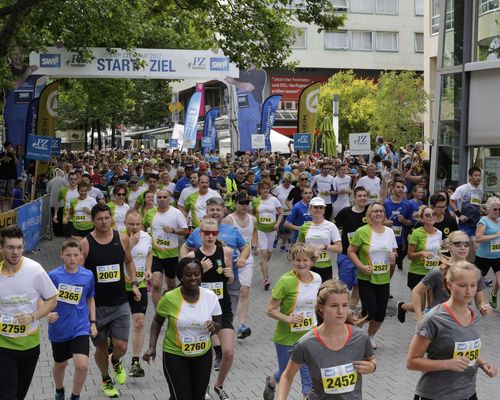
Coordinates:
column 29, row 219
column 290, row 87
column 48, row 106
column 359, row 144
column 206, row 143
column 56, row 146
column 173, row 143
column 210, row 130
column 39, row 148
column 267, row 118
column 118, row 63
column 258, row 142
column 302, row 141
column 8, row 218
column 308, row 108
column 200, row 87
column 191, row 121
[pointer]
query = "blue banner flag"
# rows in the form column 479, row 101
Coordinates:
column 173, row 143
column 209, row 130
column 302, row 141
column 29, row 219
column 267, row 118
column 191, row 122
column 39, row 148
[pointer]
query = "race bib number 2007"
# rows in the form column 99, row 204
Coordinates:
column 108, row 273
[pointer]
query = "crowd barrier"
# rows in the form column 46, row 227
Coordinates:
column 34, row 220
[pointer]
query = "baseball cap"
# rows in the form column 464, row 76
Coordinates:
column 317, row 201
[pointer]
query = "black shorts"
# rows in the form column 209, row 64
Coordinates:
column 484, row 264
column 227, row 315
column 166, row 266
column 62, row 351
column 413, row 280
column 138, row 307
column 78, row 232
column 325, row 273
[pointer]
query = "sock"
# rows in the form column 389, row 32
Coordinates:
column 135, row 359
column 218, row 351
column 75, row 396
column 60, row 391
column 106, row 378
column 114, row 361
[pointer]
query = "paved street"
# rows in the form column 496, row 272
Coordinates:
column 255, row 357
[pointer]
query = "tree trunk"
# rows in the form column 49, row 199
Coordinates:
column 99, row 137
column 92, row 135
column 86, row 128
column 113, row 133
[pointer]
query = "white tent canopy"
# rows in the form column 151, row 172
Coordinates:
column 279, row 142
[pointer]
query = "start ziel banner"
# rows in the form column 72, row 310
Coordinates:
column 155, row 64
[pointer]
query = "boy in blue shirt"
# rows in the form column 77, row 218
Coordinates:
column 73, row 319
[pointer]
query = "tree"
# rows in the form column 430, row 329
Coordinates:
column 356, row 103
column 398, row 104
column 249, row 32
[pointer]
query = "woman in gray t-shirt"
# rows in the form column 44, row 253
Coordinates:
column 449, row 334
column 336, row 352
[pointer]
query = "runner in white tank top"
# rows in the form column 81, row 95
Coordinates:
column 246, row 225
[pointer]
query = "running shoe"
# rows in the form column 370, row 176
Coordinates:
column 120, row 374
column 373, row 342
column 109, row 389
column 275, row 244
column 283, row 249
column 221, row 393
column 269, row 390
column 488, row 282
column 401, row 312
column 243, row 332
column 136, row 370
column 217, row 361
column 207, row 394
column 267, row 284
column 60, row 395
column 493, row 299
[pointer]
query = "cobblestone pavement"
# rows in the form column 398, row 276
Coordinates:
column 255, row 356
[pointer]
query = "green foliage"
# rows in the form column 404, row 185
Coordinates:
column 392, row 107
column 356, row 103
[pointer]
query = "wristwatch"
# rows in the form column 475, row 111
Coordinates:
column 135, row 283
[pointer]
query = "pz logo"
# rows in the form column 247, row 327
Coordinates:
column 219, row 64
column 198, row 63
column 41, row 144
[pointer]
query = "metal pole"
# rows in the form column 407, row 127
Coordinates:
column 335, row 114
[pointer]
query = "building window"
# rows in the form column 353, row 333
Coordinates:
column 488, row 5
column 300, row 35
column 361, row 6
column 361, row 40
column 336, row 40
column 450, row 15
column 435, row 17
column 419, row 42
column 340, row 5
column 296, row 4
column 386, row 7
column 387, row 41
column 419, row 7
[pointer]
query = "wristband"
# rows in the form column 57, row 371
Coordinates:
column 92, row 321
column 457, row 213
column 135, row 283
column 325, row 247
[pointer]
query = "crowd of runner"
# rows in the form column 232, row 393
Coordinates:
column 189, row 229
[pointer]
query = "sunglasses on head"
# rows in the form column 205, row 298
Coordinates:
column 208, row 233
column 244, row 202
column 121, row 194
column 318, row 207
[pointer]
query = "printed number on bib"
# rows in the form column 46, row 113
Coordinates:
column 163, row 242
column 373, row 197
column 379, row 267
column 495, row 245
column 140, row 275
column 216, row 287
column 108, row 273
column 305, row 325
column 324, row 256
column 431, row 262
column 476, row 200
column 80, row 217
column 69, row 294
column 470, row 349
column 265, row 220
column 340, row 379
column 193, row 346
column 9, row 327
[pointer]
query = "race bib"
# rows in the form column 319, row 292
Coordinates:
column 69, row 294
column 140, row 273
column 108, row 273
column 324, row 256
column 265, row 220
column 431, row 262
column 475, row 199
column 305, row 325
column 339, row 379
column 397, row 230
column 9, row 327
column 193, row 346
column 470, row 349
column 80, row 218
column 216, row 287
column 163, row 243
column 324, row 193
column 495, row 245
column 373, row 197
column 379, row 267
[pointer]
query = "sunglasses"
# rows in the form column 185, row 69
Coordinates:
column 121, row 194
column 303, row 179
column 244, row 203
column 429, row 215
column 208, row 233
column 496, row 209
column 318, row 207
column 461, row 244
column 162, row 197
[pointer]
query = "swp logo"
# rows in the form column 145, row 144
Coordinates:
column 219, row 64
column 50, row 60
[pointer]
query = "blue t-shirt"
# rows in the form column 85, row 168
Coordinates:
column 414, row 206
column 485, row 248
column 214, row 180
column 392, row 210
column 74, row 290
column 181, row 184
column 298, row 215
column 18, row 195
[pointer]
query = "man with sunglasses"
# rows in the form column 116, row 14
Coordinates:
column 300, row 213
column 216, row 180
column 324, row 186
column 165, row 224
column 229, row 236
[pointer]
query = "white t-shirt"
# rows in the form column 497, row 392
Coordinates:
column 185, row 193
column 342, row 184
column 322, row 186
column 282, row 193
column 140, row 253
column 372, row 186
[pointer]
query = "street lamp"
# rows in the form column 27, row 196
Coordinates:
column 335, row 113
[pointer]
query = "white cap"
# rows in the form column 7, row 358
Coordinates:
column 317, row 201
